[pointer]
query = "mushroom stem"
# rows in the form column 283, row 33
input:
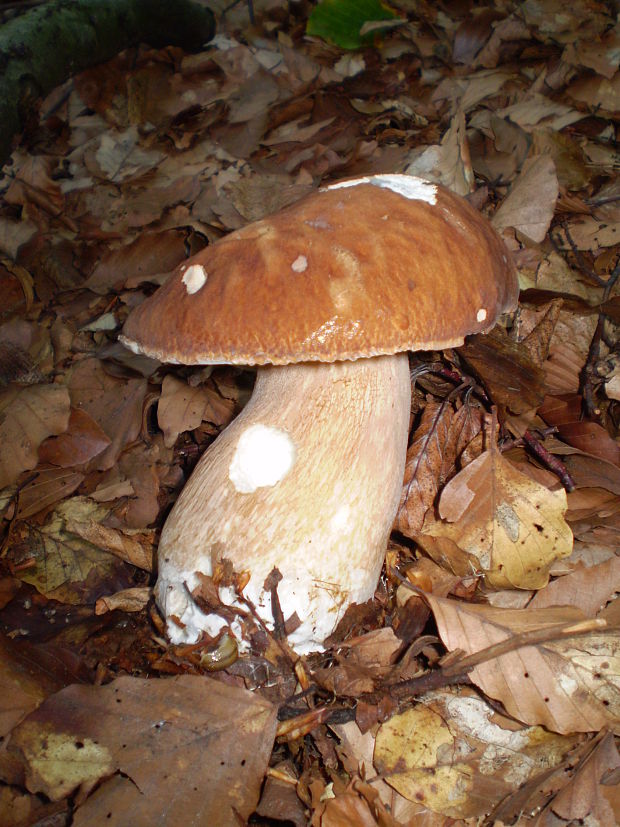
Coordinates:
column 307, row 479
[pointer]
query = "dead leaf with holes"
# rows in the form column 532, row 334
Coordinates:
column 456, row 755
column 566, row 684
column 496, row 521
column 184, row 745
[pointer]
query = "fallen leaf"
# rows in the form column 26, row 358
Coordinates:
column 183, row 407
column 28, row 415
column 455, row 755
column 114, row 404
column 567, row 685
column 500, row 523
column 529, row 205
column 63, row 566
column 46, row 487
column 589, row 589
column 508, row 372
column 127, row 600
column 135, row 547
column 82, row 441
column 194, row 750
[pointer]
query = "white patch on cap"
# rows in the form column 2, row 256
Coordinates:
column 300, row 264
column 481, row 315
column 407, row 185
column 263, row 457
column 194, row 278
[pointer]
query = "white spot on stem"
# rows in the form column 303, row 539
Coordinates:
column 263, row 457
column 481, row 315
column 194, row 278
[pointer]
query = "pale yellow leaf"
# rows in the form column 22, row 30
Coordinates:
column 456, row 755
column 500, row 523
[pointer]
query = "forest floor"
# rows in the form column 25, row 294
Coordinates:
column 481, row 684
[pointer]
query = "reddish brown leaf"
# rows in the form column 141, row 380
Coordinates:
column 82, row 441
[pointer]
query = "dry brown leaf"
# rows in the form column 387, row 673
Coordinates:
column 511, row 29
column 180, row 408
column 584, row 800
column 589, row 589
column 82, row 441
column 456, row 755
column 589, row 232
column 570, row 685
column 500, row 523
column 423, row 466
column 28, row 415
column 62, row 565
column 188, row 745
column 135, row 547
column 494, row 358
column 114, row 404
column 473, row 33
column 438, row 442
column 47, row 486
column 564, row 412
column 530, row 204
column 447, row 163
column 600, row 54
column 563, row 369
column 24, row 683
column 151, row 257
column 553, row 274
column 597, row 93
column 127, row 600
column 538, row 111
column 593, row 472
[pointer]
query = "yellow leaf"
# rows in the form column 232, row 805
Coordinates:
column 500, row 523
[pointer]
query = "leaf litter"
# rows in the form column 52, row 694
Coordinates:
column 502, row 569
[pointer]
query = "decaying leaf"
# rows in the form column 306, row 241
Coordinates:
column 496, row 521
column 530, row 203
column 566, row 685
column 457, row 756
column 114, row 404
column 63, row 565
column 183, row 407
column 27, row 416
column 127, row 600
column 188, row 744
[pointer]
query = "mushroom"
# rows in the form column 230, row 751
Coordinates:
column 325, row 297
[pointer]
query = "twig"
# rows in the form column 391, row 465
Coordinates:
column 551, row 462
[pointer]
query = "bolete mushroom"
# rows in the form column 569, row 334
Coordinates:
column 325, row 297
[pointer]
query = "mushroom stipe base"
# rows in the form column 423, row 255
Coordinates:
column 313, row 492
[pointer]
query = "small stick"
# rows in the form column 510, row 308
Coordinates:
column 551, row 462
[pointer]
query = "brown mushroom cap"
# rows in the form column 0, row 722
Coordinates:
column 360, row 268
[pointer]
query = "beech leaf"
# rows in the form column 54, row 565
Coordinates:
column 194, row 749
column 567, row 685
column 28, row 415
column 530, row 203
column 452, row 752
column 498, row 522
